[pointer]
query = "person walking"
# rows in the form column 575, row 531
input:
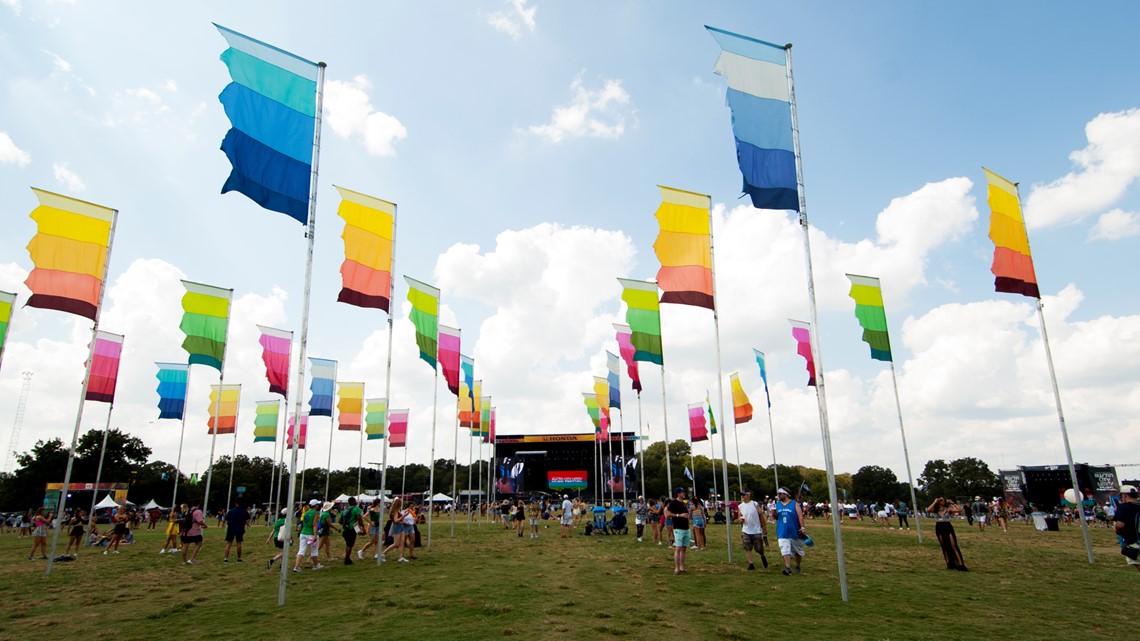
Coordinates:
column 278, row 536
column 237, row 521
column 640, row 512
column 349, row 519
column 900, row 510
column 677, row 510
column 943, row 509
column 192, row 525
column 39, row 535
column 981, row 510
column 1127, row 524
column 308, row 537
column 754, row 535
column 567, row 517
column 375, row 514
column 75, row 532
column 533, row 515
column 119, row 519
column 400, row 530
column 790, row 531
column 171, row 544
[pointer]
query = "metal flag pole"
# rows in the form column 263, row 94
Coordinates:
column 217, row 421
column 479, row 520
column 640, row 448
column 665, row 422
column 712, row 453
column 181, row 438
column 772, row 440
column 470, row 466
column 404, row 477
column 621, row 418
column 736, row 440
column 360, row 446
column 332, row 430
column 233, row 455
column 455, row 469
column 82, row 397
column 278, row 456
column 693, row 467
column 906, row 456
column 431, row 461
column 99, row 470
column 821, row 395
column 388, row 376
column 720, row 390
column 310, row 234
column 610, row 462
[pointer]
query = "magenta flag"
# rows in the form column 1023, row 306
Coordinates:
column 627, row 350
column 397, row 428
column 448, row 350
column 277, row 345
column 105, row 367
column 801, row 331
column 697, row 430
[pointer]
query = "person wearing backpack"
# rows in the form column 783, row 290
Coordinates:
column 192, row 525
column 326, row 523
column 348, row 520
column 1127, row 523
column 278, row 535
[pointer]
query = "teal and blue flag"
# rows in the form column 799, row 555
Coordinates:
column 323, row 372
column 172, row 381
column 272, row 107
column 763, row 374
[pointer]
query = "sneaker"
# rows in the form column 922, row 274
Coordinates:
column 226, row 560
column 190, row 562
column 660, row 543
column 269, row 564
column 162, row 551
column 297, row 569
column 751, row 567
column 116, row 551
column 639, row 539
column 797, row 570
column 787, row 572
column 764, row 561
column 318, row 567
column 104, row 553
column 360, row 555
column 348, row 561
column 402, row 560
column 239, row 559
column 375, row 555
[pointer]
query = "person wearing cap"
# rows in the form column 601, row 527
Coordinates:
column 277, row 536
column 567, row 517
column 682, row 538
column 326, row 523
column 1127, row 524
column 308, row 543
column 789, row 531
column 981, row 509
column 640, row 512
column 755, row 531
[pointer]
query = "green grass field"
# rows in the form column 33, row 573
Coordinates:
column 488, row 584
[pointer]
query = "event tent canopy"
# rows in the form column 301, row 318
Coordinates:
column 441, row 498
column 107, row 502
column 152, row 504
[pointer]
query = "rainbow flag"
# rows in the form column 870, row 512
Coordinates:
column 1013, row 264
column 369, row 234
column 486, row 425
column 7, row 302
column 592, row 409
column 760, row 102
column 449, row 357
column 602, row 393
column 223, row 416
column 872, row 315
column 104, row 367
column 763, row 373
column 289, row 431
column 265, row 421
column 172, row 381
column 69, row 252
column 272, row 107
column 323, row 372
column 375, row 417
column 613, row 376
column 625, row 347
column 205, row 323
column 277, row 346
column 697, row 431
column 350, row 406
column 712, row 417
column 801, row 331
column 684, row 247
column 644, row 318
column 477, row 426
column 741, row 408
column 425, row 316
column 397, row 428
column 466, row 391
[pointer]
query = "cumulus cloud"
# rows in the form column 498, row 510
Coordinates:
column 512, row 22
column 1114, row 225
column 67, row 178
column 1102, row 172
column 58, row 62
column 10, row 154
column 349, row 112
column 591, row 113
column 14, row 5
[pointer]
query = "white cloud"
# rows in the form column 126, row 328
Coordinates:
column 349, row 112
column 170, row 86
column 1114, row 225
column 1103, row 172
column 14, row 5
column 10, row 154
column 513, row 21
column 59, row 63
column 67, row 178
column 592, row 113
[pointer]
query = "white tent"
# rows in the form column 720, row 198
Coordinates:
column 368, row 499
column 152, row 505
column 107, row 502
column 343, row 498
column 441, row 498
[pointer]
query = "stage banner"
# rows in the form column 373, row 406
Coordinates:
column 1013, row 489
column 572, row 480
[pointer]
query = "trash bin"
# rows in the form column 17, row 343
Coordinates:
column 1051, row 524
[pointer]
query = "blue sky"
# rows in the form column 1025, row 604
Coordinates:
column 523, row 142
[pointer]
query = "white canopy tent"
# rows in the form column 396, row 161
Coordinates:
column 442, row 498
column 152, row 504
column 107, row 502
column 343, row 498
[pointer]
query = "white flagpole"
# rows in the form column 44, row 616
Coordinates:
column 217, row 418
column 470, row 467
column 360, row 446
column 404, row 478
column 181, row 438
column 610, row 462
column 482, row 499
column 621, row 414
column 736, row 439
column 772, row 440
column 720, row 391
column 99, row 470
column 310, row 234
column 233, row 455
column 665, row 422
column 640, row 448
column 82, row 397
column 455, row 468
column 333, row 415
column 821, row 394
column 431, row 462
column 278, row 456
column 388, row 376
column 906, row 455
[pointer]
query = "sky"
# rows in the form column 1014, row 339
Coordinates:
column 523, row 141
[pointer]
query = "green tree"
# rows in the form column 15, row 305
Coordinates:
column 875, row 483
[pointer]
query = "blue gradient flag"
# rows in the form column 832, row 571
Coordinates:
column 272, row 107
column 324, row 380
column 172, row 381
column 763, row 374
column 613, row 367
column 758, row 96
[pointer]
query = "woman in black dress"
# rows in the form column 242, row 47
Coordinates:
column 943, row 509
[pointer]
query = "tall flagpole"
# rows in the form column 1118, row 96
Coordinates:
column 720, row 390
column 470, row 466
column 640, row 448
column 82, row 396
column 906, row 456
column 736, row 439
column 217, row 419
column 621, row 414
column 388, row 376
column 233, row 455
column 181, row 438
column 455, row 468
column 332, row 430
column 311, row 233
column 821, row 395
column 431, row 462
column 278, row 455
column 99, row 470
column 479, row 520
column 360, row 451
column 665, row 422
column 772, row 440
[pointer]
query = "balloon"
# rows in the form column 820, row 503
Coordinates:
column 1071, row 496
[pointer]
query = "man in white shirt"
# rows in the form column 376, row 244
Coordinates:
column 567, row 516
column 755, row 531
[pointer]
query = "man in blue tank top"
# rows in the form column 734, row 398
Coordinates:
column 789, row 530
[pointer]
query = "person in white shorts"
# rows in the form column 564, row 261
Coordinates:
column 567, row 517
column 308, row 537
column 790, row 531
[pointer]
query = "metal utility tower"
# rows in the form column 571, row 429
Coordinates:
column 10, row 455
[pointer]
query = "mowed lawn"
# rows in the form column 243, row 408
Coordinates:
column 485, row 583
